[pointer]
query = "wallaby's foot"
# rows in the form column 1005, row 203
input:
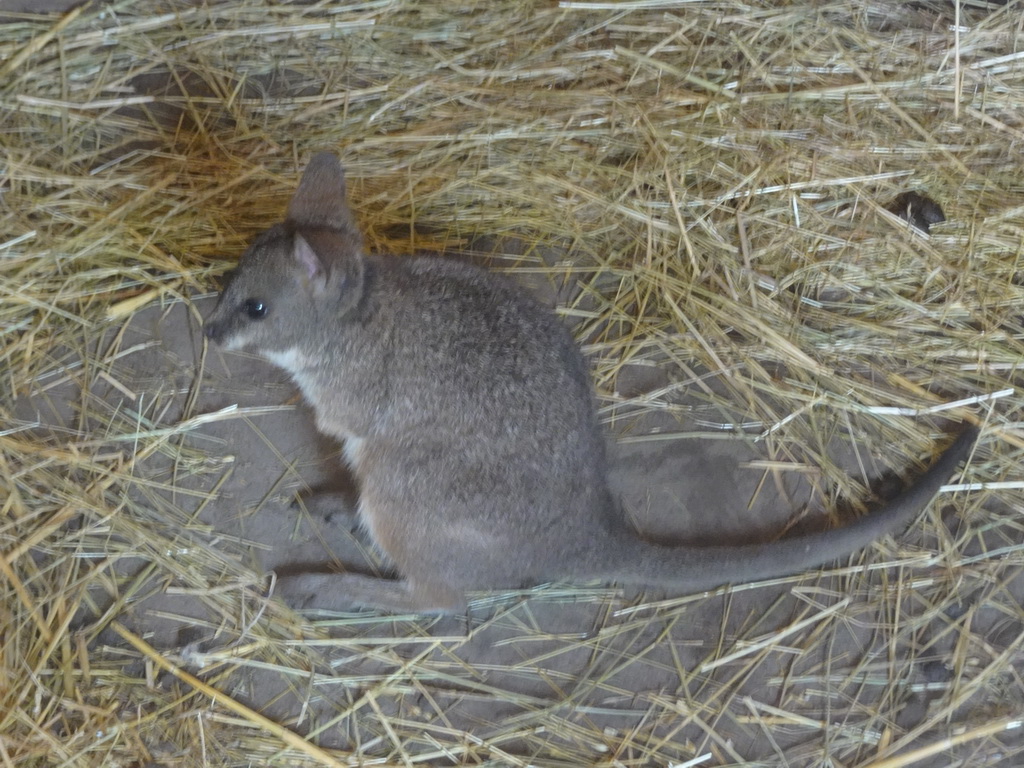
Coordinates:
column 339, row 591
column 333, row 507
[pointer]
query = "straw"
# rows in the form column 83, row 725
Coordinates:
column 707, row 186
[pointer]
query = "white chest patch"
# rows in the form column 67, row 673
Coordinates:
column 294, row 362
column 351, row 449
column 289, row 359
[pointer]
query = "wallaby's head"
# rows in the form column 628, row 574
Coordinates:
column 297, row 277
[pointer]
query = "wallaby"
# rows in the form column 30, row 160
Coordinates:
column 467, row 415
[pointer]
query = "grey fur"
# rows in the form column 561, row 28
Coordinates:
column 468, row 414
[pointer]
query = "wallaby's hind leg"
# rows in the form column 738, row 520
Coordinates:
column 338, row 591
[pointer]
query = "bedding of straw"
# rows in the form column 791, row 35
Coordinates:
column 716, row 177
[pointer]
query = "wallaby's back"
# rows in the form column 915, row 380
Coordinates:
column 468, row 415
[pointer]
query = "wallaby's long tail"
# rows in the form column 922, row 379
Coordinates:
column 635, row 561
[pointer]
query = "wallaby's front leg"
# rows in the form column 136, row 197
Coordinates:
column 335, row 507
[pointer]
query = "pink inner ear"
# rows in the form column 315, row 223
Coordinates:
column 307, row 259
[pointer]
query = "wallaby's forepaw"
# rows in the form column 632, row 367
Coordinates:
column 330, row 506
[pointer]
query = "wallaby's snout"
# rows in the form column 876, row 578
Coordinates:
column 222, row 326
column 212, row 330
column 214, row 324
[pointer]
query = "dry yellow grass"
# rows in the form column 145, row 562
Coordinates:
column 717, row 175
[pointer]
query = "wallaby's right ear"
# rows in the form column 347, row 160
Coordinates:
column 319, row 202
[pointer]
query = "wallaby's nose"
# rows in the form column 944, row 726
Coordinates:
column 210, row 330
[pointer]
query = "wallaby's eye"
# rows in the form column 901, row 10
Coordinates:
column 255, row 308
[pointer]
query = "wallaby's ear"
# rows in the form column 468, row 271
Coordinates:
column 319, row 202
column 310, row 265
